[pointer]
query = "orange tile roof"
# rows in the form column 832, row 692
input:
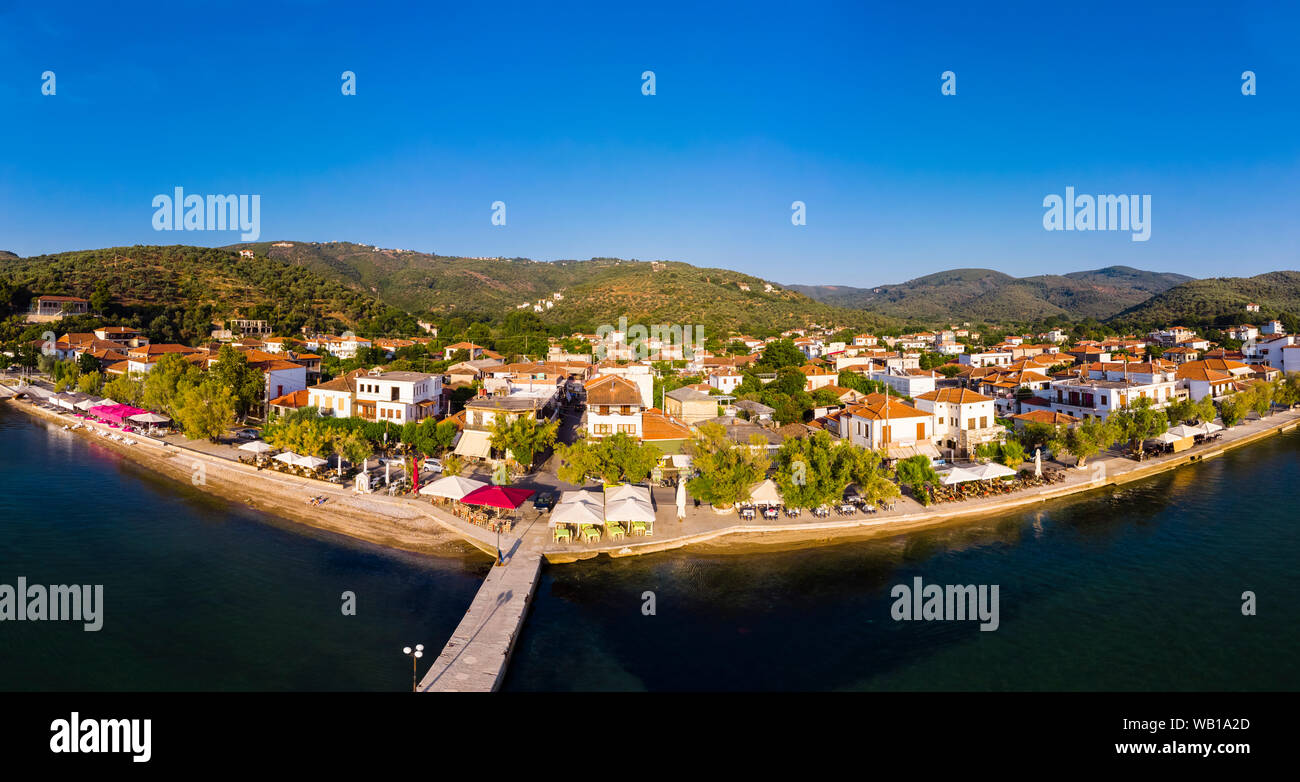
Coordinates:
column 955, row 396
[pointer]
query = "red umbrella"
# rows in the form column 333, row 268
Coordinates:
column 498, row 496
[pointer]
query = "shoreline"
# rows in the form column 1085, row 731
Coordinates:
column 282, row 496
column 419, row 527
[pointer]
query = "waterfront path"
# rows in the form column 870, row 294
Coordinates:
column 476, row 655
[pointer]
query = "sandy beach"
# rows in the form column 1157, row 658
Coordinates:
column 382, row 522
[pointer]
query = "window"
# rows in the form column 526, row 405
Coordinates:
column 602, row 429
column 627, row 428
column 970, row 423
column 984, row 422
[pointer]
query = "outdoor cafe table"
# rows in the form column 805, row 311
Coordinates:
column 638, row 528
column 747, row 513
column 589, row 532
column 563, row 532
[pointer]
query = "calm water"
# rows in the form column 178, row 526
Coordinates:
column 1135, row 588
column 200, row 594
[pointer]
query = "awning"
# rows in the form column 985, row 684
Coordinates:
column 475, row 444
column 288, row 457
column 907, row 451
column 256, row 446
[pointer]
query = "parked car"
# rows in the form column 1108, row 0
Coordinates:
column 247, row 434
column 544, row 501
column 430, row 463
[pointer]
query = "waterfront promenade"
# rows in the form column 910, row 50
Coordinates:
column 477, row 654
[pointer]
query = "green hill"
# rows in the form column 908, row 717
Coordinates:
column 960, row 295
column 176, row 291
column 1219, row 301
column 596, row 291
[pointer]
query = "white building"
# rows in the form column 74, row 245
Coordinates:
column 987, row 358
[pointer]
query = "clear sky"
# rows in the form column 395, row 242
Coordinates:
column 539, row 105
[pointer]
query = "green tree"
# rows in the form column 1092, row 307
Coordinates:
column 811, row 471
column 1011, row 454
column 206, row 410
column 247, row 384
column 1137, row 422
column 612, row 459
column 727, row 470
column 125, row 389
column 90, row 382
column 918, row 474
column 524, row 437
column 170, row 377
column 781, row 353
column 1231, row 411
column 87, row 363
column 354, row 447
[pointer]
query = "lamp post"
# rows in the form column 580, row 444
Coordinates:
column 415, row 655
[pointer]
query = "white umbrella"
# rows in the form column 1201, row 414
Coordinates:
column 1210, row 427
column 765, row 493
column 1186, row 431
column 149, row 418
column 681, row 499
column 92, row 402
column 1168, row 438
column 577, row 512
column 625, row 491
column 452, row 487
column 288, row 457
column 987, row 472
column 957, row 475
column 310, row 462
column 1038, row 462
column 256, row 446
column 629, row 510
column 582, row 496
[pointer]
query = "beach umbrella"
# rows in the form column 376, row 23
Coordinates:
column 508, row 497
column 624, row 491
column 1186, row 431
column 957, row 475
column 86, row 404
column 629, row 509
column 452, row 487
column 681, row 499
column 310, row 462
column 576, row 512
column 1211, row 427
column 987, row 472
column 765, row 493
column 256, row 446
column 288, row 457
column 149, row 418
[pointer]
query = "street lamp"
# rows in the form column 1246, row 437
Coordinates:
column 415, row 655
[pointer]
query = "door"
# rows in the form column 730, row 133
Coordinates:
column 885, row 434
column 920, row 431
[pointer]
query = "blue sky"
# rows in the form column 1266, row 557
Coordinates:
column 539, row 105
